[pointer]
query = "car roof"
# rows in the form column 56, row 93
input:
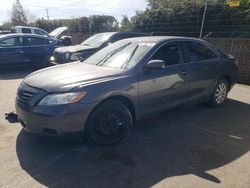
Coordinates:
column 27, row 27
column 106, row 33
column 157, row 39
column 21, row 35
column 132, row 33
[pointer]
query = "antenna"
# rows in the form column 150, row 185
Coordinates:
column 47, row 11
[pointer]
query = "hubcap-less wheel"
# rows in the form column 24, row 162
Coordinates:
column 109, row 123
column 220, row 93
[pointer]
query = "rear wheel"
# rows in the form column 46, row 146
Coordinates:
column 219, row 94
column 109, row 123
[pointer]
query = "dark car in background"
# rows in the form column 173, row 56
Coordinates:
column 90, row 46
column 26, row 50
column 109, row 91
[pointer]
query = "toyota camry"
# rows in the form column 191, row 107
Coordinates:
column 107, row 93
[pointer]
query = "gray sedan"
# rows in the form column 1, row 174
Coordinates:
column 105, row 95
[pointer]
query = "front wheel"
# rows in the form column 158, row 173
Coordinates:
column 109, row 123
column 219, row 94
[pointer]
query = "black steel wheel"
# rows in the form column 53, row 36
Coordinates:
column 109, row 123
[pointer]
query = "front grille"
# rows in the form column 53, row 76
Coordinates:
column 24, row 96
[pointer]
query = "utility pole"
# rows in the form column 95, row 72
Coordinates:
column 47, row 11
column 203, row 19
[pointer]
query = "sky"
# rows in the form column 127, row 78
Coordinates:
column 74, row 8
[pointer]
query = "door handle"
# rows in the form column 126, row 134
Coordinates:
column 184, row 72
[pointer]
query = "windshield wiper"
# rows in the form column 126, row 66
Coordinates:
column 131, row 56
column 105, row 58
column 86, row 44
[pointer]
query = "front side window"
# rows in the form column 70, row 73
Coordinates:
column 15, row 41
column 26, row 30
column 198, row 52
column 34, row 41
column 122, row 55
column 170, row 54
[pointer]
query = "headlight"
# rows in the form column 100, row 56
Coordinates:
column 52, row 59
column 65, row 98
column 67, row 55
column 74, row 57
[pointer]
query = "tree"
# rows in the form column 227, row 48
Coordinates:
column 103, row 23
column 125, row 24
column 184, row 17
column 18, row 16
column 6, row 25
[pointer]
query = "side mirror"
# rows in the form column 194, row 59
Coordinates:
column 66, row 40
column 155, row 64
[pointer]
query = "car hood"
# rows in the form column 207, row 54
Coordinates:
column 65, row 77
column 58, row 31
column 75, row 48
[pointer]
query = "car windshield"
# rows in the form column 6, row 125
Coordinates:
column 97, row 40
column 122, row 54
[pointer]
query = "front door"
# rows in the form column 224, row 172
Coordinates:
column 166, row 87
column 37, row 50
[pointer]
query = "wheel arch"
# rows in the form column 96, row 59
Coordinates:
column 229, row 81
column 126, row 101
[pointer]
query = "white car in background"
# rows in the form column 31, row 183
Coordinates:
column 34, row 30
column 55, row 34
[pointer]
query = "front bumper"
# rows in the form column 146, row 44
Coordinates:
column 55, row 120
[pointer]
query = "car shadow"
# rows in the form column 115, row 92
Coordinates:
column 183, row 141
column 15, row 73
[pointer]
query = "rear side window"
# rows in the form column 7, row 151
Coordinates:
column 40, row 32
column 34, row 41
column 14, row 41
column 26, row 30
column 197, row 52
column 13, row 30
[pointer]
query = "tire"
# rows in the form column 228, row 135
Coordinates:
column 108, row 124
column 219, row 94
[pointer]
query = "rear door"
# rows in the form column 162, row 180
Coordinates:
column 202, row 66
column 11, row 51
column 164, row 88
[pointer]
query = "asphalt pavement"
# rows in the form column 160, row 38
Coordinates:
column 195, row 146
